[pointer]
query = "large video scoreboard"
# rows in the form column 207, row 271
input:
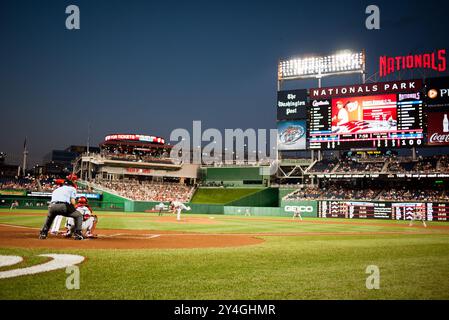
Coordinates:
column 431, row 211
column 376, row 115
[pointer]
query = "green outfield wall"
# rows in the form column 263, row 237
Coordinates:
column 235, row 176
column 268, row 197
column 285, row 191
column 253, row 211
column 266, row 202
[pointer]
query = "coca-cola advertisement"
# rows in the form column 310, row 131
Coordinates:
column 438, row 128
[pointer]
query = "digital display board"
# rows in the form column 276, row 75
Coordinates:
column 354, row 210
column 431, row 211
column 373, row 121
column 292, row 105
column 134, row 137
column 291, row 135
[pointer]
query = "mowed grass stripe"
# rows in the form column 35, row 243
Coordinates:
column 219, row 225
column 327, row 267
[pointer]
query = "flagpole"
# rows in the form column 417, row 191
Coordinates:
column 25, row 154
column 88, row 137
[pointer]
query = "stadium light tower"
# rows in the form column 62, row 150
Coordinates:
column 341, row 63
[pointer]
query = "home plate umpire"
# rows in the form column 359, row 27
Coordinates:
column 63, row 203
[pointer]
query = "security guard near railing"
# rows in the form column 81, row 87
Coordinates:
column 63, row 203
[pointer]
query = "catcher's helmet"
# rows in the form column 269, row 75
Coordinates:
column 59, row 182
column 82, row 200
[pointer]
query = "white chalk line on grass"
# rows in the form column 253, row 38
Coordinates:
column 6, row 261
column 18, row 227
column 59, row 261
column 111, row 235
column 131, row 236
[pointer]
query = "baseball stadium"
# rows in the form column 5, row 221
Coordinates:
column 347, row 199
column 307, row 231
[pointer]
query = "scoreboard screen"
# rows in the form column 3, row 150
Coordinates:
column 431, row 211
column 354, row 210
column 374, row 121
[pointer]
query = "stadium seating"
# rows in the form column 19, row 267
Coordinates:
column 148, row 191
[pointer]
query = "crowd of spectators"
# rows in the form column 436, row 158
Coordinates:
column 426, row 165
column 324, row 166
column 33, row 184
column 149, row 191
column 353, row 166
column 30, row 184
column 333, row 192
column 422, row 165
column 341, row 192
column 443, row 164
column 411, row 194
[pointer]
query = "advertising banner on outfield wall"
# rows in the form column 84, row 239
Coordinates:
column 292, row 135
column 306, row 208
column 95, row 196
column 291, row 105
column 437, row 92
column 13, row 193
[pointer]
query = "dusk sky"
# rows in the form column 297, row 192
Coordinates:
column 150, row 67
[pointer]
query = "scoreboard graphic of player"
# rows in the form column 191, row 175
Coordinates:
column 380, row 121
column 364, row 114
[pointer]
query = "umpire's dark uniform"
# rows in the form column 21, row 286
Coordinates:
column 62, row 203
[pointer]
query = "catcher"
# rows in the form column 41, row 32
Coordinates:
column 89, row 219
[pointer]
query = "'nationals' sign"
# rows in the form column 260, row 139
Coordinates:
column 434, row 60
column 367, row 89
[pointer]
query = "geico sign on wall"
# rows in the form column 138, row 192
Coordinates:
column 300, row 208
column 306, row 208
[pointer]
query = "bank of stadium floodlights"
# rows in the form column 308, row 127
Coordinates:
column 340, row 63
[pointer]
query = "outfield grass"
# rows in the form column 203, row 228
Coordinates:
column 221, row 223
column 221, row 195
column 412, row 266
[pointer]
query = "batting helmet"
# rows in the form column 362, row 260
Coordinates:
column 72, row 177
column 82, row 200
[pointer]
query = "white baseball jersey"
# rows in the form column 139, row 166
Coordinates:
column 85, row 210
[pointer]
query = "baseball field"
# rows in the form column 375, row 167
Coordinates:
column 145, row 256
